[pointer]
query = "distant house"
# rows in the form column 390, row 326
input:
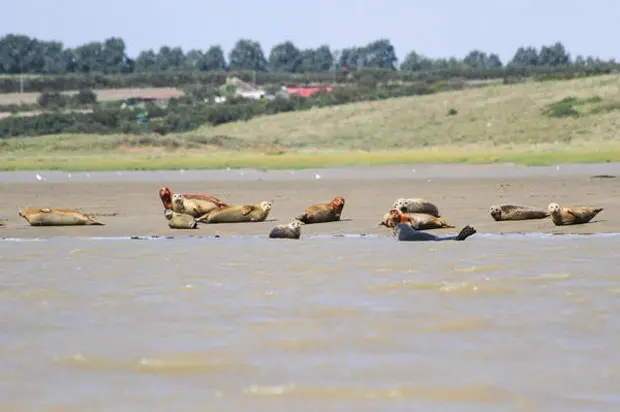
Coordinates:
column 247, row 90
column 308, row 90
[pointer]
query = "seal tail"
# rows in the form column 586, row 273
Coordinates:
column 446, row 224
column 466, row 232
column 95, row 222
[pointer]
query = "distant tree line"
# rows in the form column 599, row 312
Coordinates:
column 107, row 65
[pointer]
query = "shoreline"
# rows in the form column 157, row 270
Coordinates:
column 608, row 170
column 463, row 194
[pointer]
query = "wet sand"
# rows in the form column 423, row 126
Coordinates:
column 463, row 194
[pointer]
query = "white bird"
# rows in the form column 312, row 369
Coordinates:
column 39, row 177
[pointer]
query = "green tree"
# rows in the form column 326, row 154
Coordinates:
column 214, row 59
column 247, row 55
column 285, row 57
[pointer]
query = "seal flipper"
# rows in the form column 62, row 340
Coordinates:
column 466, row 232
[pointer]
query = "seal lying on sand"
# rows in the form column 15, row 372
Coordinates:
column 57, row 217
column 195, row 207
column 416, row 205
column 419, row 221
column 405, row 233
column 323, row 212
column 180, row 220
column 516, row 212
column 290, row 231
column 238, row 213
column 572, row 215
column 193, row 204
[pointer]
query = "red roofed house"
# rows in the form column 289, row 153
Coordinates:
column 308, row 91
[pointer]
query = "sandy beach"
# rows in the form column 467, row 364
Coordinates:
column 462, row 192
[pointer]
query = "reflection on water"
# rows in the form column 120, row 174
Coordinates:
column 518, row 322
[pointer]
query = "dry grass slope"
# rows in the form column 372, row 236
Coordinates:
column 490, row 116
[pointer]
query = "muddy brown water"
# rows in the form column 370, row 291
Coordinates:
column 520, row 318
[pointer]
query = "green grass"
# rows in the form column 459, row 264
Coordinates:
column 533, row 156
column 534, row 123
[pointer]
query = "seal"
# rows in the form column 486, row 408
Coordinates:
column 419, row 221
column 238, row 213
column 323, row 212
column 290, row 231
column 572, row 215
column 193, row 204
column 57, row 217
column 405, row 233
column 516, row 212
column 416, row 205
column 180, row 220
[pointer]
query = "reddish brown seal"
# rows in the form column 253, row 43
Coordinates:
column 419, row 221
column 323, row 212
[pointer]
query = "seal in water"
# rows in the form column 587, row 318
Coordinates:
column 516, row 212
column 238, row 213
column 416, row 205
column 419, row 221
column 57, row 217
column 572, row 215
column 405, row 233
column 290, row 231
column 323, row 212
column 180, row 220
column 194, row 204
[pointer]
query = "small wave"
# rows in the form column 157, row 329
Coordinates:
column 483, row 286
column 511, row 235
column 466, row 393
column 180, row 364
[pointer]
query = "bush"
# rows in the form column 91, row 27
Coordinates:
column 85, row 97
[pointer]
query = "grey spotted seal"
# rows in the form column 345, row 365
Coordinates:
column 238, row 213
column 416, row 205
column 572, row 215
column 180, row 220
column 290, row 231
column 57, row 217
column 516, row 212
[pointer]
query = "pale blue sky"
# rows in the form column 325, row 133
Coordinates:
column 436, row 29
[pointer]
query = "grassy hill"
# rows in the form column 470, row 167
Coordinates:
column 532, row 123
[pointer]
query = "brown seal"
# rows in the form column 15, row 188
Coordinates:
column 419, row 221
column 416, row 205
column 57, row 217
column 323, row 212
column 516, row 212
column 290, row 231
column 572, row 215
column 193, row 204
column 180, row 220
column 238, row 213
